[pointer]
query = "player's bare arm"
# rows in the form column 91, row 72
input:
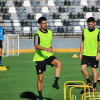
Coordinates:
column 97, row 57
column 51, row 48
column 81, row 50
column 43, row 48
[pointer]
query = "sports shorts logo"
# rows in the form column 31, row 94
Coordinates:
column 95, row 65
column 39, row 71
column 35, row 63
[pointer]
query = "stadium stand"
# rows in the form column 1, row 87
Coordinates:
column 98, row 22
column 20, row 10
column 67, row 2
column 61, row 14
column 3, row 10
column 75, row 2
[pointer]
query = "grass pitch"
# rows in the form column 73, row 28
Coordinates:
column 22, row 78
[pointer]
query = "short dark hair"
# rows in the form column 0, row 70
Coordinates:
column 91, row 19
column 41, row 19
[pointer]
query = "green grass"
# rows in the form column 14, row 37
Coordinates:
column 22, row 77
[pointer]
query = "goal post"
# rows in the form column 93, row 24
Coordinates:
column 10, row 44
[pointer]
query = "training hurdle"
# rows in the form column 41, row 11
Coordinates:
column 82, row 85
column 3, row 68
column 96, row 95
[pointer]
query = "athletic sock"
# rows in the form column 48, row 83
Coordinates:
column 94, row 85
column 56, row 80
column 88, row 81
column 40, row 93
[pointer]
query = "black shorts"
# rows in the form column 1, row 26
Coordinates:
column 0, row 44
column 90, row 61
column 41, row 65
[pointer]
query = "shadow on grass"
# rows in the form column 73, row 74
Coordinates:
column 74, row 85
column 31, row 96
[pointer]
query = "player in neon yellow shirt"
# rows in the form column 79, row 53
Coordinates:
column 44, row 56
column 89, row 51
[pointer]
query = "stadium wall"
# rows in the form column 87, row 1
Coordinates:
column 59, row 45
